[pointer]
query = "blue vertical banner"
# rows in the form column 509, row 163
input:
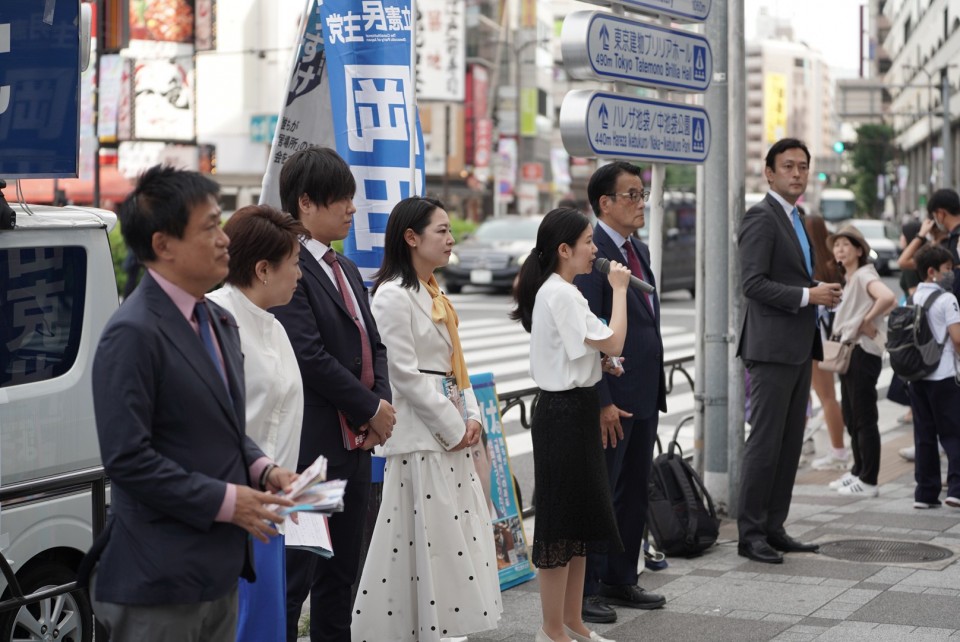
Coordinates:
column 39, row 88
column 367, row 46
column 510, row 541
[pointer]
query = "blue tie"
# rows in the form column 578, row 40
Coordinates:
column 206, row 336
column 802, row 237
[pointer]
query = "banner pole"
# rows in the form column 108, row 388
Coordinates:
column 412, row 103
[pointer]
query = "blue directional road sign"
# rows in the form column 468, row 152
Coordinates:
column 679, row 10
column 599, row 123
column 601, row 46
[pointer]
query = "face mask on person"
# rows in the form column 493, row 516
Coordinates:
column 946, row 280
column 939, row 223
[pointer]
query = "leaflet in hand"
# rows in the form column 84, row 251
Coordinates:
column 312, row 533
column 313, row 474
column 447, row 386
column 324, row 497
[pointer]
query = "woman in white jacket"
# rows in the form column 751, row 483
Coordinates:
column 431, row 571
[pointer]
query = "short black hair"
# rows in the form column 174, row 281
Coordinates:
column 933, row 256
column 161, row 202
column 783, row 145
column 318, row 172
column 260, row 233
column 944, row 199
column 604, row 181
column 412, row 213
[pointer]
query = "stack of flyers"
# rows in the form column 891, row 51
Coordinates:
column 325, row 498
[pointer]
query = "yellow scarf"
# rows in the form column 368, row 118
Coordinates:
column 443, row 311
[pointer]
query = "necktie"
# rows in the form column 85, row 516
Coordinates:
column 633, row 262
column 802, row 237
column 206, row 336
column 366, row 355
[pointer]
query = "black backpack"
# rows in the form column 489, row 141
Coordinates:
column 680, row 515
column 914, row 352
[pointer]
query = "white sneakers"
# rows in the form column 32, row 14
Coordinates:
column 594, row 636
column 847, row 479
column 858, row 487
column 831, row 462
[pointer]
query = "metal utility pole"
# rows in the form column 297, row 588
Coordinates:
column 714, row 290
column 946, row 179
column 737, row 93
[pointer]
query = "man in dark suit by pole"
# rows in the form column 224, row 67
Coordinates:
column 778, row 339
column 169, row 398
column 344, row 369
column 631, row 402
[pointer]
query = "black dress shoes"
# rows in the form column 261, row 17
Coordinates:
column 787, row 544
column 632, row 597
column 759, row 551
column 596, row 611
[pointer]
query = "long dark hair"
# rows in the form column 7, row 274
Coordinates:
column 824, row 267
column 562, row 225
column 412, row 213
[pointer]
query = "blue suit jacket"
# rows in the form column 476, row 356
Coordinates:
column 641, row 389
column 171, row 437
column 327, row 344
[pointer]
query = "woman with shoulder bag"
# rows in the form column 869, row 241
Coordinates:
column 860, row 319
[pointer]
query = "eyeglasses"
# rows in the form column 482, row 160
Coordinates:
column 633, row 195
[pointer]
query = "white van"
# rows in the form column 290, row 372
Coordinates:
column 57, row 291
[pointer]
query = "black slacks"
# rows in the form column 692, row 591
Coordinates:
column 858, row 401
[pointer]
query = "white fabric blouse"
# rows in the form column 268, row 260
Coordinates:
column 273, row 384
column 560, row 358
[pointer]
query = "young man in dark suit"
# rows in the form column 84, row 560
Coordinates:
column 778, row 339
column 169, row 399
column 344, row 368
column 630, row 403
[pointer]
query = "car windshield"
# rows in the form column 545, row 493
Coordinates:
column 508, row 229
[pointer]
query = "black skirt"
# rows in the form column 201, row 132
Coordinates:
column 574, row 506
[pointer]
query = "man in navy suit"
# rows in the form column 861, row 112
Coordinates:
column 344, row 368
column 631, row 402
column 778, row 340
column 168, row 393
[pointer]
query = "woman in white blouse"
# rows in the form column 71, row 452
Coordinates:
column 574, row 506
column 431, row 570
column 264, row 269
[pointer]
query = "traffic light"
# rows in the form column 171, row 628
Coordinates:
column 838, row 147
column 822, row 177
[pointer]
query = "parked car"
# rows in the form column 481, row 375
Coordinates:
column 492, row 255
column 57, row 292
column 884, row 239
column 678, row 269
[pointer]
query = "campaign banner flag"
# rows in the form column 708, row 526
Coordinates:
column 510, row 541
column 305, row 117
column 367, row 47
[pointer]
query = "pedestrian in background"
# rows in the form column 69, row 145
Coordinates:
column 630, row 404
column 574, row 506
column 822, row 381
column 431, row 572
column 860, row 319
column 778, row 340
column 343, row 364
column 169, row 396
column 936, row 398
column 264, row 270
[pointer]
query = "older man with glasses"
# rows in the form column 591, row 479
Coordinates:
column 630, row 403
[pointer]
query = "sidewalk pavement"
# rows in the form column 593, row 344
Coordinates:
column 721, row 596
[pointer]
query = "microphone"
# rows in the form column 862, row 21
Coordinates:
column 602, row 266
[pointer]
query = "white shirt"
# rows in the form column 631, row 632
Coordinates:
column 943, row 313
column 854, row 306
column 273, row 383
column 788, row 208
column 318, row 250
column 560, row 359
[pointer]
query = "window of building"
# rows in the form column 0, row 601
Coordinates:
column 41, row 312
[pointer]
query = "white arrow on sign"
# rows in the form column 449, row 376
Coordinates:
column 601, row 46
column 680, row 10
column 599, row 123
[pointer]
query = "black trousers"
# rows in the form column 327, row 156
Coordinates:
column 329, row 581
column 936, row 415
column 628, row 469
column 778, row 413
column 858, row 401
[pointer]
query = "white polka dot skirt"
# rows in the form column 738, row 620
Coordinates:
column 431, row 571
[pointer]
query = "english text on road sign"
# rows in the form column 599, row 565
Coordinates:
column 600, row 46
column 599, row 123
column 680, row 10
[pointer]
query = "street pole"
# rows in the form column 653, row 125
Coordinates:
column 947, row 173
column 737, row 93
column 518, row 170
column 716, row 471
column 658, row 175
